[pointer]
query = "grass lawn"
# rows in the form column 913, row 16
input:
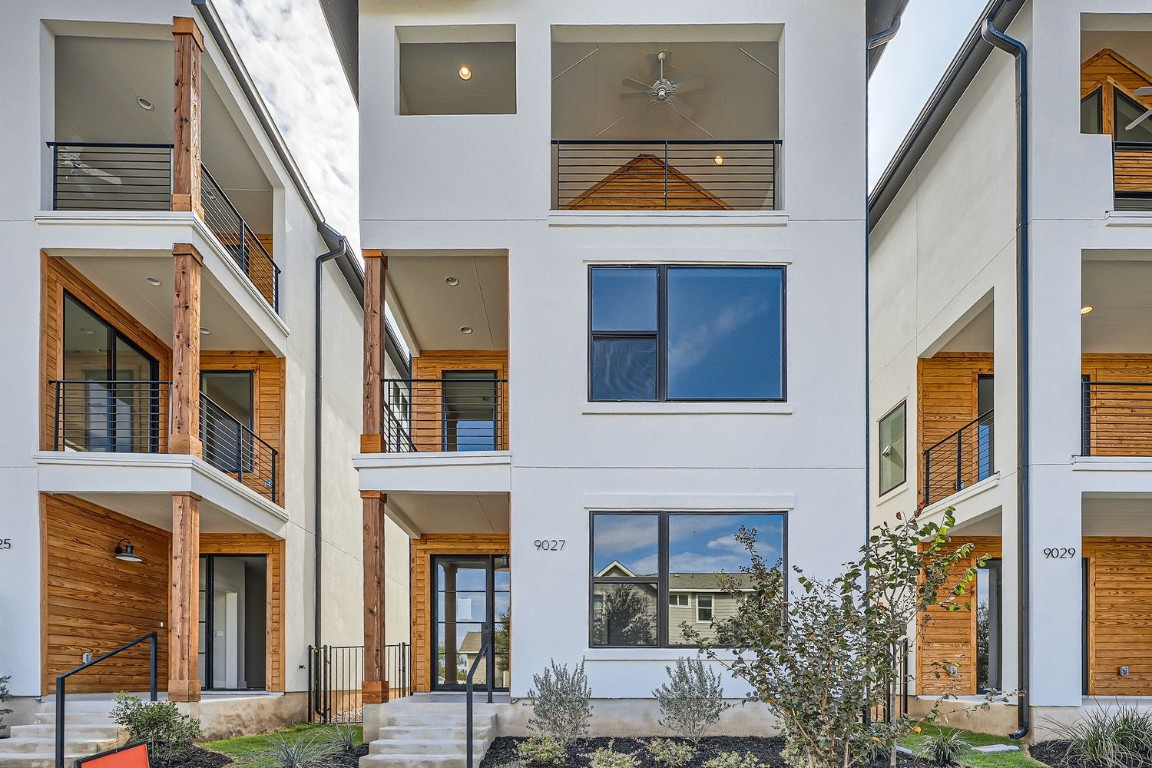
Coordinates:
column 245, row 751
column 977, row 759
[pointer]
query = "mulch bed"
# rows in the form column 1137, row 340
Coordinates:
column 766, row 750
column 198, row 757
column 346, row 759
column 1054, row 753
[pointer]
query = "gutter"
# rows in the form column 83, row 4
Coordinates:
column 998, row 39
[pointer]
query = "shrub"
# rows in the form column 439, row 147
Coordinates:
column 733, row 760
column 561, row 703
column 672, row 753
column 159, row 723
column 345, row 738
column 1113, row 738
column 607, row 757
column 542, row 750
column 945, row 747
column 692, row 699
column 303, row 752
column 4, row 696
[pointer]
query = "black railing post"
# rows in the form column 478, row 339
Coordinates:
column 927, row 477
column 55, row 174
column 56, row 421
column 61, row 686
column 665, row 175
column 959, row 459
column 152, row 676
column 240, row 455
column 275, row 479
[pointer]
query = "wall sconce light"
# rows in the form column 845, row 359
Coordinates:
column 124, row 552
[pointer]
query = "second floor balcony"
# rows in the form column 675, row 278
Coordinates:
column 462, row 411
column 960, row 460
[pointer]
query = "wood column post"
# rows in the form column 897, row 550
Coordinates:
column 184, row 600
column 375, row 333
column 375, row 682
column 184, row 401
column 188, row 43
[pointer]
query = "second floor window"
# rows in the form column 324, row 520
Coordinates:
column 893, row 470
column 686, row 333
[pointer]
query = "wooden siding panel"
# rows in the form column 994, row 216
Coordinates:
column 427, row 399
column 1120, row 604
column 1108, row 67
column 947, row 387
column 646, row 182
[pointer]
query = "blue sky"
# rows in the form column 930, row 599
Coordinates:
column 299, row 76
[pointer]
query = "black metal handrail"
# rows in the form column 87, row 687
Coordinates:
column 336, row 680
column 446, row 414
column 667, row 174
column 62, row 684
column 106, row 176
column 484, row 653
column 962, row 459
column 232, row 447
column 233, row 232
column 1117, row 418
column 124, row 416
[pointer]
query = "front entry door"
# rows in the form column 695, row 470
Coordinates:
column 233, row 622
column 468, row 592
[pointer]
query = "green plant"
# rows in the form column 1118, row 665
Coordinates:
column 1115, row 738
column 607, row 757
column 733, row 760
column 169, row 734
column 820, row 655
column 945, row 747
column 542, row 750
column 561, row 703
column 672, row 753
column 4, row 696
column 345, row 738
column 304, row 751
column 692, row 699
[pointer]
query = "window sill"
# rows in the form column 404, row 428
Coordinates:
column 683, row 409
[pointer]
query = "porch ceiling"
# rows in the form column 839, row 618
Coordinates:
column 422, row 513
column 155, row 509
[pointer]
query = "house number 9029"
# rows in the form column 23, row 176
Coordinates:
column 549, row 545
column 1060, row 553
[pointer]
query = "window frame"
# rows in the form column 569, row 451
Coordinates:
column 661, row 333
column 711, row 608
column 882, row 491
column 661, row 578
column 687, row 600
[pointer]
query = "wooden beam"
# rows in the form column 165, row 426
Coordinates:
column 184, row 600
column 375, row 333
column 375, row 681
column 184, row 434
column 188, row 43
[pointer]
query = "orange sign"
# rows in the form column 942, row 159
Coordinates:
column 131, row 756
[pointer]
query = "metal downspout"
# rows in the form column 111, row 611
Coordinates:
column 1019, row 51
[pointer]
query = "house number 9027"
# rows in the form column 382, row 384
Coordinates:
column 549, row 545
column 1060, row 553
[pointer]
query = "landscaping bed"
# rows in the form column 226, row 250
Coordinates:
column 1055, row 754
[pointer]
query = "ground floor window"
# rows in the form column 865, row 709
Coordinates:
column 988, row 626
column 644, row 560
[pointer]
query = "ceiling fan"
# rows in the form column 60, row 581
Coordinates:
column 662, row 90
column 71, row 161
column 1145, row 91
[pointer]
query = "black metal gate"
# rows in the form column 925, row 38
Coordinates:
column 336, row 680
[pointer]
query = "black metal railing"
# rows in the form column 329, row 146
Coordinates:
column 336, row 680
column 962, row 459
column 110, row 416
column 485, row 654
column 95, row 176
column 62, row 686
column 889, row 702
column 1132, row 175
column 703, row 174
column 1117, row 418
column 232, row 447
column 447, row 414
column 229, row 227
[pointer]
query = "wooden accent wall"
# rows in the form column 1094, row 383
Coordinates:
column 949, row 637
column 422, row 551
column 642, row 184
column 946, row 396
column 427, row 398
column 92, row 603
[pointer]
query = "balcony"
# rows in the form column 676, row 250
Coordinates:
column 101, row 176
column 452, row 414
column 133, row 417
column 1132, row 171
column 1117, row 418
column 677, row 175
column 962, row 459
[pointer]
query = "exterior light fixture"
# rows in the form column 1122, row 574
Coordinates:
column 452, row 280
column 465, row 329
column 719, row 159
column 465, row 73
column 1085, row 310
column 153, row 281
column 124, row 552
column 144, row 104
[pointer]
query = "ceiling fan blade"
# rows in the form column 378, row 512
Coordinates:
column 636, row 95
column 1145, row 91
column 681, row 107
column 694, row 84
column 635, row 85
column 103, row 176
column 1139, row 120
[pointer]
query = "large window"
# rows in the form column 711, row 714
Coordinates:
column 679, row 560
column 686, row 333
column 893, row 466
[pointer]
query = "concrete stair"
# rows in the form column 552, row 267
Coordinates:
column 432, row 737
column 88, row 730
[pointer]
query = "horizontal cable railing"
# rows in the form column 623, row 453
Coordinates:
column 110, row 416
column 239, row 240
column 233, row 448
column 454, row 414
column 1132, row 171
column 705, row 174
column 962, row 459
column 89, row 176
column 1117, row 418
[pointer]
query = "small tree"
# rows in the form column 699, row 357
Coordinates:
column 820, row 656
column 692, row 699
column 561, row 703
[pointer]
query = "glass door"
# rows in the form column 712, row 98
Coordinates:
column 233, row 622
column 470, row 411
column 984, row 410
column 469, row 592
column 989, row 621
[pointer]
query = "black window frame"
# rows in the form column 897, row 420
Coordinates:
column 882, row 491
column 661, row 577
column 661, row 333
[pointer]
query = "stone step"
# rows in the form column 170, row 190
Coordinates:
column 102, row 706
column 38, row 759
column 410, row 717
column 433, row 732
column 16, row 746
column 79, row 718
column 414, row 761
column 73, row 731
column 414, row 746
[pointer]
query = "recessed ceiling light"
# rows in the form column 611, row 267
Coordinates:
column 144, row 103
column 88, row 331
column 465, row 73
column 1085, row 310
column 452, row 280
column 153, row 281
column 719, row 159
column 205, row 332
column 465, row 329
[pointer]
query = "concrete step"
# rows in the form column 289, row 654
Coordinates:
column 102, row 706
column 413, row 761
column 413, row 746
column 79, row 718
column 433, row 732
column 72, row 745
column 409, row 717
column 48, row 730
column 38, row 759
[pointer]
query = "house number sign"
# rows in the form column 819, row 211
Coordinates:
column 1060, row 553
column 5, row 543
column 549, row 545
